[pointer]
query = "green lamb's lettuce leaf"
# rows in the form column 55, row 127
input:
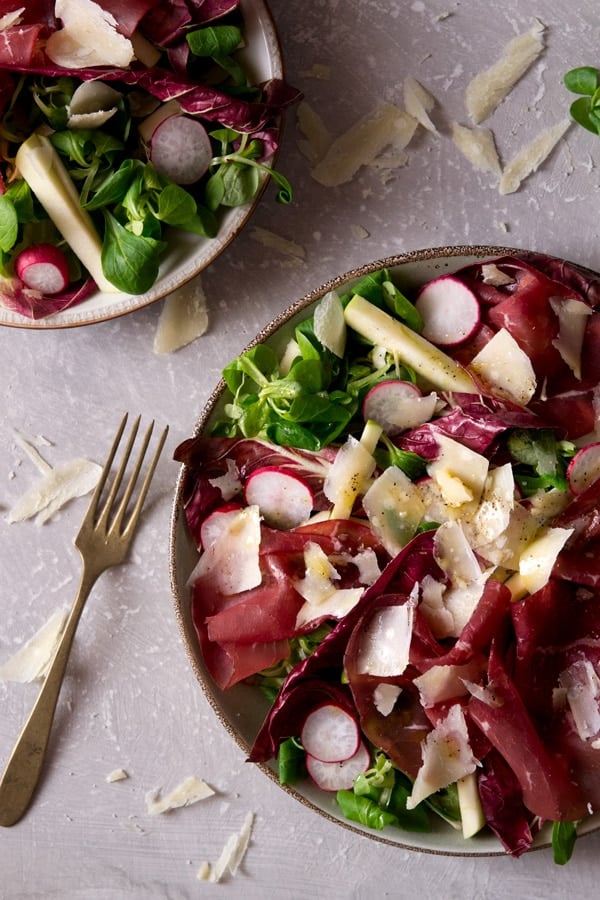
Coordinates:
column 290, row 761
column 9, row 223
column 129, row 261
column 564, row 835
column 298, row 409
column 378, row 799
column 585, row 80
column 541, row 459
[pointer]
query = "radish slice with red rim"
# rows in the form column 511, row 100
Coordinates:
column 338, row 776
column 398, row 405
column 450, row 311
column 180, row 149
column 330, row 734
column 284, row 499
column 584, row 468
column 43, row 268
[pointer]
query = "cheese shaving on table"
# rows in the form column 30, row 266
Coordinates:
column 294, row 252
column 34, row 455
column 487, row 89
column 188, row 792
column 183, row 318
column 530, row 158
column 50, row 493
column 321, row 71
column 117, row 775
column 32, row 660
column 477, row 146
column 231, row 856
column 419, row 103
column 317, row 137
column 362, row 143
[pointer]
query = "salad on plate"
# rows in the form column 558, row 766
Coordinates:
column 120, row 121
column 396, row 513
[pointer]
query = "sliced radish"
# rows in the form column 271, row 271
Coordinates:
column 450, row 311
column 338, row 776
column 43, row 268
column 330, row 734
column 284, row 499
column 584, row 468
column 180, row 149
column 216, row 523
column 398, row 405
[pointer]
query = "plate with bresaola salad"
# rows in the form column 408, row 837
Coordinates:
column 384, row 551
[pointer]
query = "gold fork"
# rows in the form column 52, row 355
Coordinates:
column 103, row 541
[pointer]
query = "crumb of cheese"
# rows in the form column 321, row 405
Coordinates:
column 190, row 791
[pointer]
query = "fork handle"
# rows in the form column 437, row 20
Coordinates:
column 24, row 767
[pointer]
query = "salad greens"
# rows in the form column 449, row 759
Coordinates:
column 541, row 459
column 564, row 835
column 318, row 398
column 378, row 798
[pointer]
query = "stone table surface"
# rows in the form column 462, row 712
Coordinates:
column 131, row 699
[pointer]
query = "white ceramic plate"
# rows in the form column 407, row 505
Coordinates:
column 242, row 708
column 187, row 254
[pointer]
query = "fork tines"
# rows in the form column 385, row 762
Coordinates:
column 117, row 501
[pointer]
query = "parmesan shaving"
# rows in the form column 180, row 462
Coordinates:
column 362, row 143
column 491, row 274
column 290, row 249
column 385, row 696
column 57, row 487
column 531, row 157
column 447, row 756
column 317, row 137
column 231, row 856
column 188, row 792
column 419, row 103
column 489, row 88
column 231, row 560
column 88, row 37
column 11, row 18
column 117, row 775
column 572, row 317
column 183, row 318
column 384, row 646
column 477, row 146
column 319, row 71
column 358, row 231
column 36, row 458
column 32, row 660
column 203, row 873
